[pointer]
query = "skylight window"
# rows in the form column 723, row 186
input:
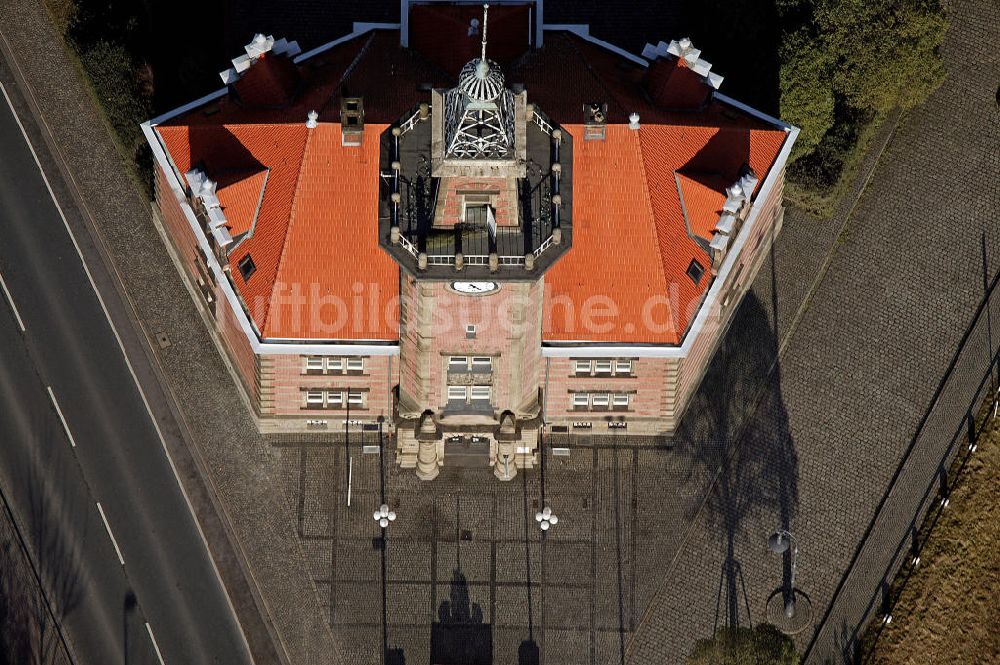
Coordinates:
column 247, row 267
column 695, row 271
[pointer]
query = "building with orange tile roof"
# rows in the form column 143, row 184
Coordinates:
column 469, row 227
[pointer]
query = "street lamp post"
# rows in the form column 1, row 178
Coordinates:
column 779, row 542
column 384, row 516
column 546, row 518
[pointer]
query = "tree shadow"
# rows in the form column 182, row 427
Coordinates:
column 459, row 636
column 29, row 627
column 737, row 439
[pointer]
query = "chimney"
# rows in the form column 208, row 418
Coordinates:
column 678, row 77
column 633, row 121
column 312, row 119
column 352, row 121
column 595, row 119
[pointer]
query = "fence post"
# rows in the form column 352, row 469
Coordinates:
column 943, row 486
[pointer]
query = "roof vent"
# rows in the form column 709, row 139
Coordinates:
column 633, row 121
column 352, row 120
column 312, row 119
column 595, row 119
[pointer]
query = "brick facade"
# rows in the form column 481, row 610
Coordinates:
column 470, row 366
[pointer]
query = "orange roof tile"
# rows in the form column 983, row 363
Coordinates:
column 240, row 195
column 702, row 197
column 271, row 81
column 331, row 254
column 315, row 239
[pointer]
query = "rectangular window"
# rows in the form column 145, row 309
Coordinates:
column 355, row 364
column 621, row 401
column 480, row 393
column 458, row 363
column 335, row 399
column 314, row 363
column 623, row 367
column 457, row 393
column 335, row 365
column 314, row 398
column 355, row 397
column 482, row 363
column 602, row 367
column 470, row 331
column 581, row 366
column 600, row 401
column 581, row 401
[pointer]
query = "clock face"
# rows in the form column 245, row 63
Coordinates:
column 475, row 288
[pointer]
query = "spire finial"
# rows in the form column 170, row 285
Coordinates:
column 486, row 11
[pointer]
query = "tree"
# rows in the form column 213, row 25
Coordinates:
column 761, row 645
column 846, row 59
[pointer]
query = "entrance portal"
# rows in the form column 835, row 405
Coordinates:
column 467, row 450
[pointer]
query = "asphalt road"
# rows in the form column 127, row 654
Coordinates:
column 112, row 454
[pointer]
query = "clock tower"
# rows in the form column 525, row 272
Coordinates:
column 475, row 205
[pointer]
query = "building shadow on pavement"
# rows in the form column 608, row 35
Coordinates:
column 736, row 439
column 460, row 636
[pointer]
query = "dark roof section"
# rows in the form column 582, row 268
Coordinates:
column 418, row 193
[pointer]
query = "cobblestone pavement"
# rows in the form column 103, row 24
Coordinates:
column 659, row 542
column 863, row 364
column 645, row 559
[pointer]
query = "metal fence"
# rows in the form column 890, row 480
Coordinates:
column 963, row 404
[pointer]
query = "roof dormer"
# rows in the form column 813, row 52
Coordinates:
column 266, row 76
column 678, row 78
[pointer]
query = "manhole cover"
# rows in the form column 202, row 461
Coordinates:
column 162, row 340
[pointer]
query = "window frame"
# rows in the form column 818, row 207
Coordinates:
column 311, row 360
column 623, row 366
column 600, row 401
column 359, row 360
column 580, row 401
column 601, row 371
column 315, row 396
column 481, row 390
column 617, row 404
column 335, row 399
column 334, row 365
column 583, row 367
column 453, row 392
column 355, row 397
